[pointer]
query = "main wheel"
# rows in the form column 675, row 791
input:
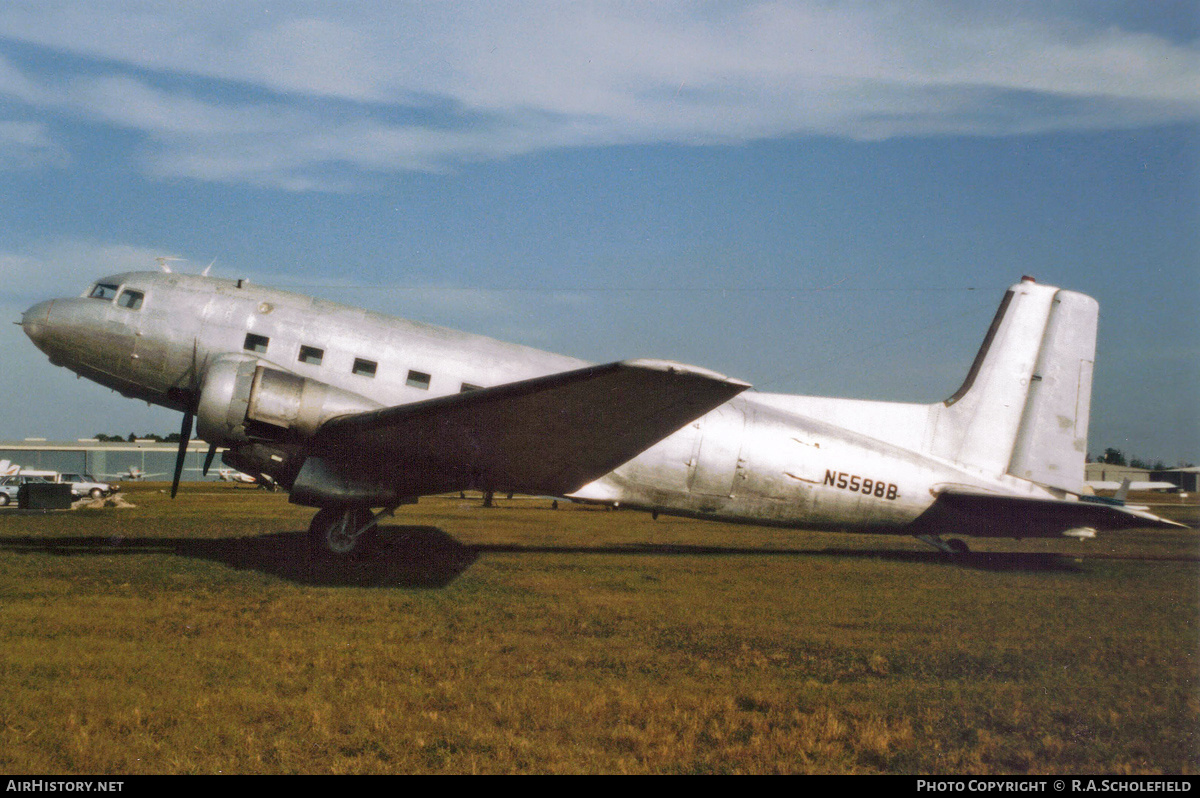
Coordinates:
column 333, row 532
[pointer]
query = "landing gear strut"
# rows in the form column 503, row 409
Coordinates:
column 339, row 532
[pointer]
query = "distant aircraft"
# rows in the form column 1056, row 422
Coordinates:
column 233, row 475
column 135, row 474
column 356, row 413
column 9, row 468
column 1097, row 484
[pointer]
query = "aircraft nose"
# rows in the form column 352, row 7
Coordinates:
column 36, row 321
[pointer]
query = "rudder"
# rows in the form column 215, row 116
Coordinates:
column 1024, row 407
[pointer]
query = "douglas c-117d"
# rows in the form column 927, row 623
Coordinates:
column 356, row 413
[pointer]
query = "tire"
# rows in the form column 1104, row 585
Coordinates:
column 326, row 534
column 96, row 493
column 4, row 499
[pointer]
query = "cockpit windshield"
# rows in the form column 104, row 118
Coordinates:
column 105, row 291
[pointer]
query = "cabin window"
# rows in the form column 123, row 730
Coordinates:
column 131, row 299
column 256, row 343
column 364, row 368
column 103, row 291
column 418, row 379
column 466, row 386
column 311, row 355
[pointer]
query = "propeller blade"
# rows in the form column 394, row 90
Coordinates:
column 208, row 458
column 185, row 435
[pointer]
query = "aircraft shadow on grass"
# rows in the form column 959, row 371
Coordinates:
column 983, row 561
column 427, row 557
column 409, row 556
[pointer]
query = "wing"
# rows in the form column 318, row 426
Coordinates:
column 991, row 515
column 549, row 435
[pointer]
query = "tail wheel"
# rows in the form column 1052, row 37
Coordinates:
column 339, row 532
column 953, row 546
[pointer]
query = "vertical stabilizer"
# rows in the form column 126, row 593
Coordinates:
column 1023, row 409
column 1051, row 447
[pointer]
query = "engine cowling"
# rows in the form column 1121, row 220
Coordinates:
column 243, row 399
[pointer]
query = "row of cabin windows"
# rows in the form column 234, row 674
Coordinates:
column 258, row 343
column 362, row 367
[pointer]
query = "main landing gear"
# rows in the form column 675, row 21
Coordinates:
column 955, row 546
column 342, row 531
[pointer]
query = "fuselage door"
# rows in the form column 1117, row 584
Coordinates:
column 151, row 334
column 716, row 462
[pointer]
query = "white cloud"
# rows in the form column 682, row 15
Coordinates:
column 309, row 96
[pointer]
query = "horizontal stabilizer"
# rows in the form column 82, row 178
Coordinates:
column 993, row 515
column 548, row 435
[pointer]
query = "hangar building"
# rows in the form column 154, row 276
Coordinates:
column 109, row 460
column 1188, row 479
column 1107, row 472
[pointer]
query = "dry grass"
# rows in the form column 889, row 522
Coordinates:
column 195, row 637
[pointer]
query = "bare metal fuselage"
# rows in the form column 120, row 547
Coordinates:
column 759, row 458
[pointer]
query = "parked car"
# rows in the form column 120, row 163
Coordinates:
column 11, row 484
column 8, row 489
column 88, row 485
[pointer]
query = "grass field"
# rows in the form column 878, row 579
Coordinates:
column 195, row 636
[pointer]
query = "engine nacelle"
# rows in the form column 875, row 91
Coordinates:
column 243, row 399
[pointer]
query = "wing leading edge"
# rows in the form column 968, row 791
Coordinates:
column 549, row 435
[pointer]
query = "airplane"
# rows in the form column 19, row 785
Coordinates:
column 357, row 413
column 1099, row 484
column 135, row 474
column 232, row 475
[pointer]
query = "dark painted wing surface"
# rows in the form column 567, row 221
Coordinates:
column 989, row 515
column 549, row 435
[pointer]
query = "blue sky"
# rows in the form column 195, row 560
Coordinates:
column 825, row 198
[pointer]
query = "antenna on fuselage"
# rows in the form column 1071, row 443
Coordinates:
column 206, row 268
column 162, row 263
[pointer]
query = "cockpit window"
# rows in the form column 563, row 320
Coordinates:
column 103, row 291
column 131, row 299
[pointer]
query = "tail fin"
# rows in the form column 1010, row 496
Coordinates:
column 1023, row 409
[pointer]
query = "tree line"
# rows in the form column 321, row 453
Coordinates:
column 104, row 438
column 1114, row 456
